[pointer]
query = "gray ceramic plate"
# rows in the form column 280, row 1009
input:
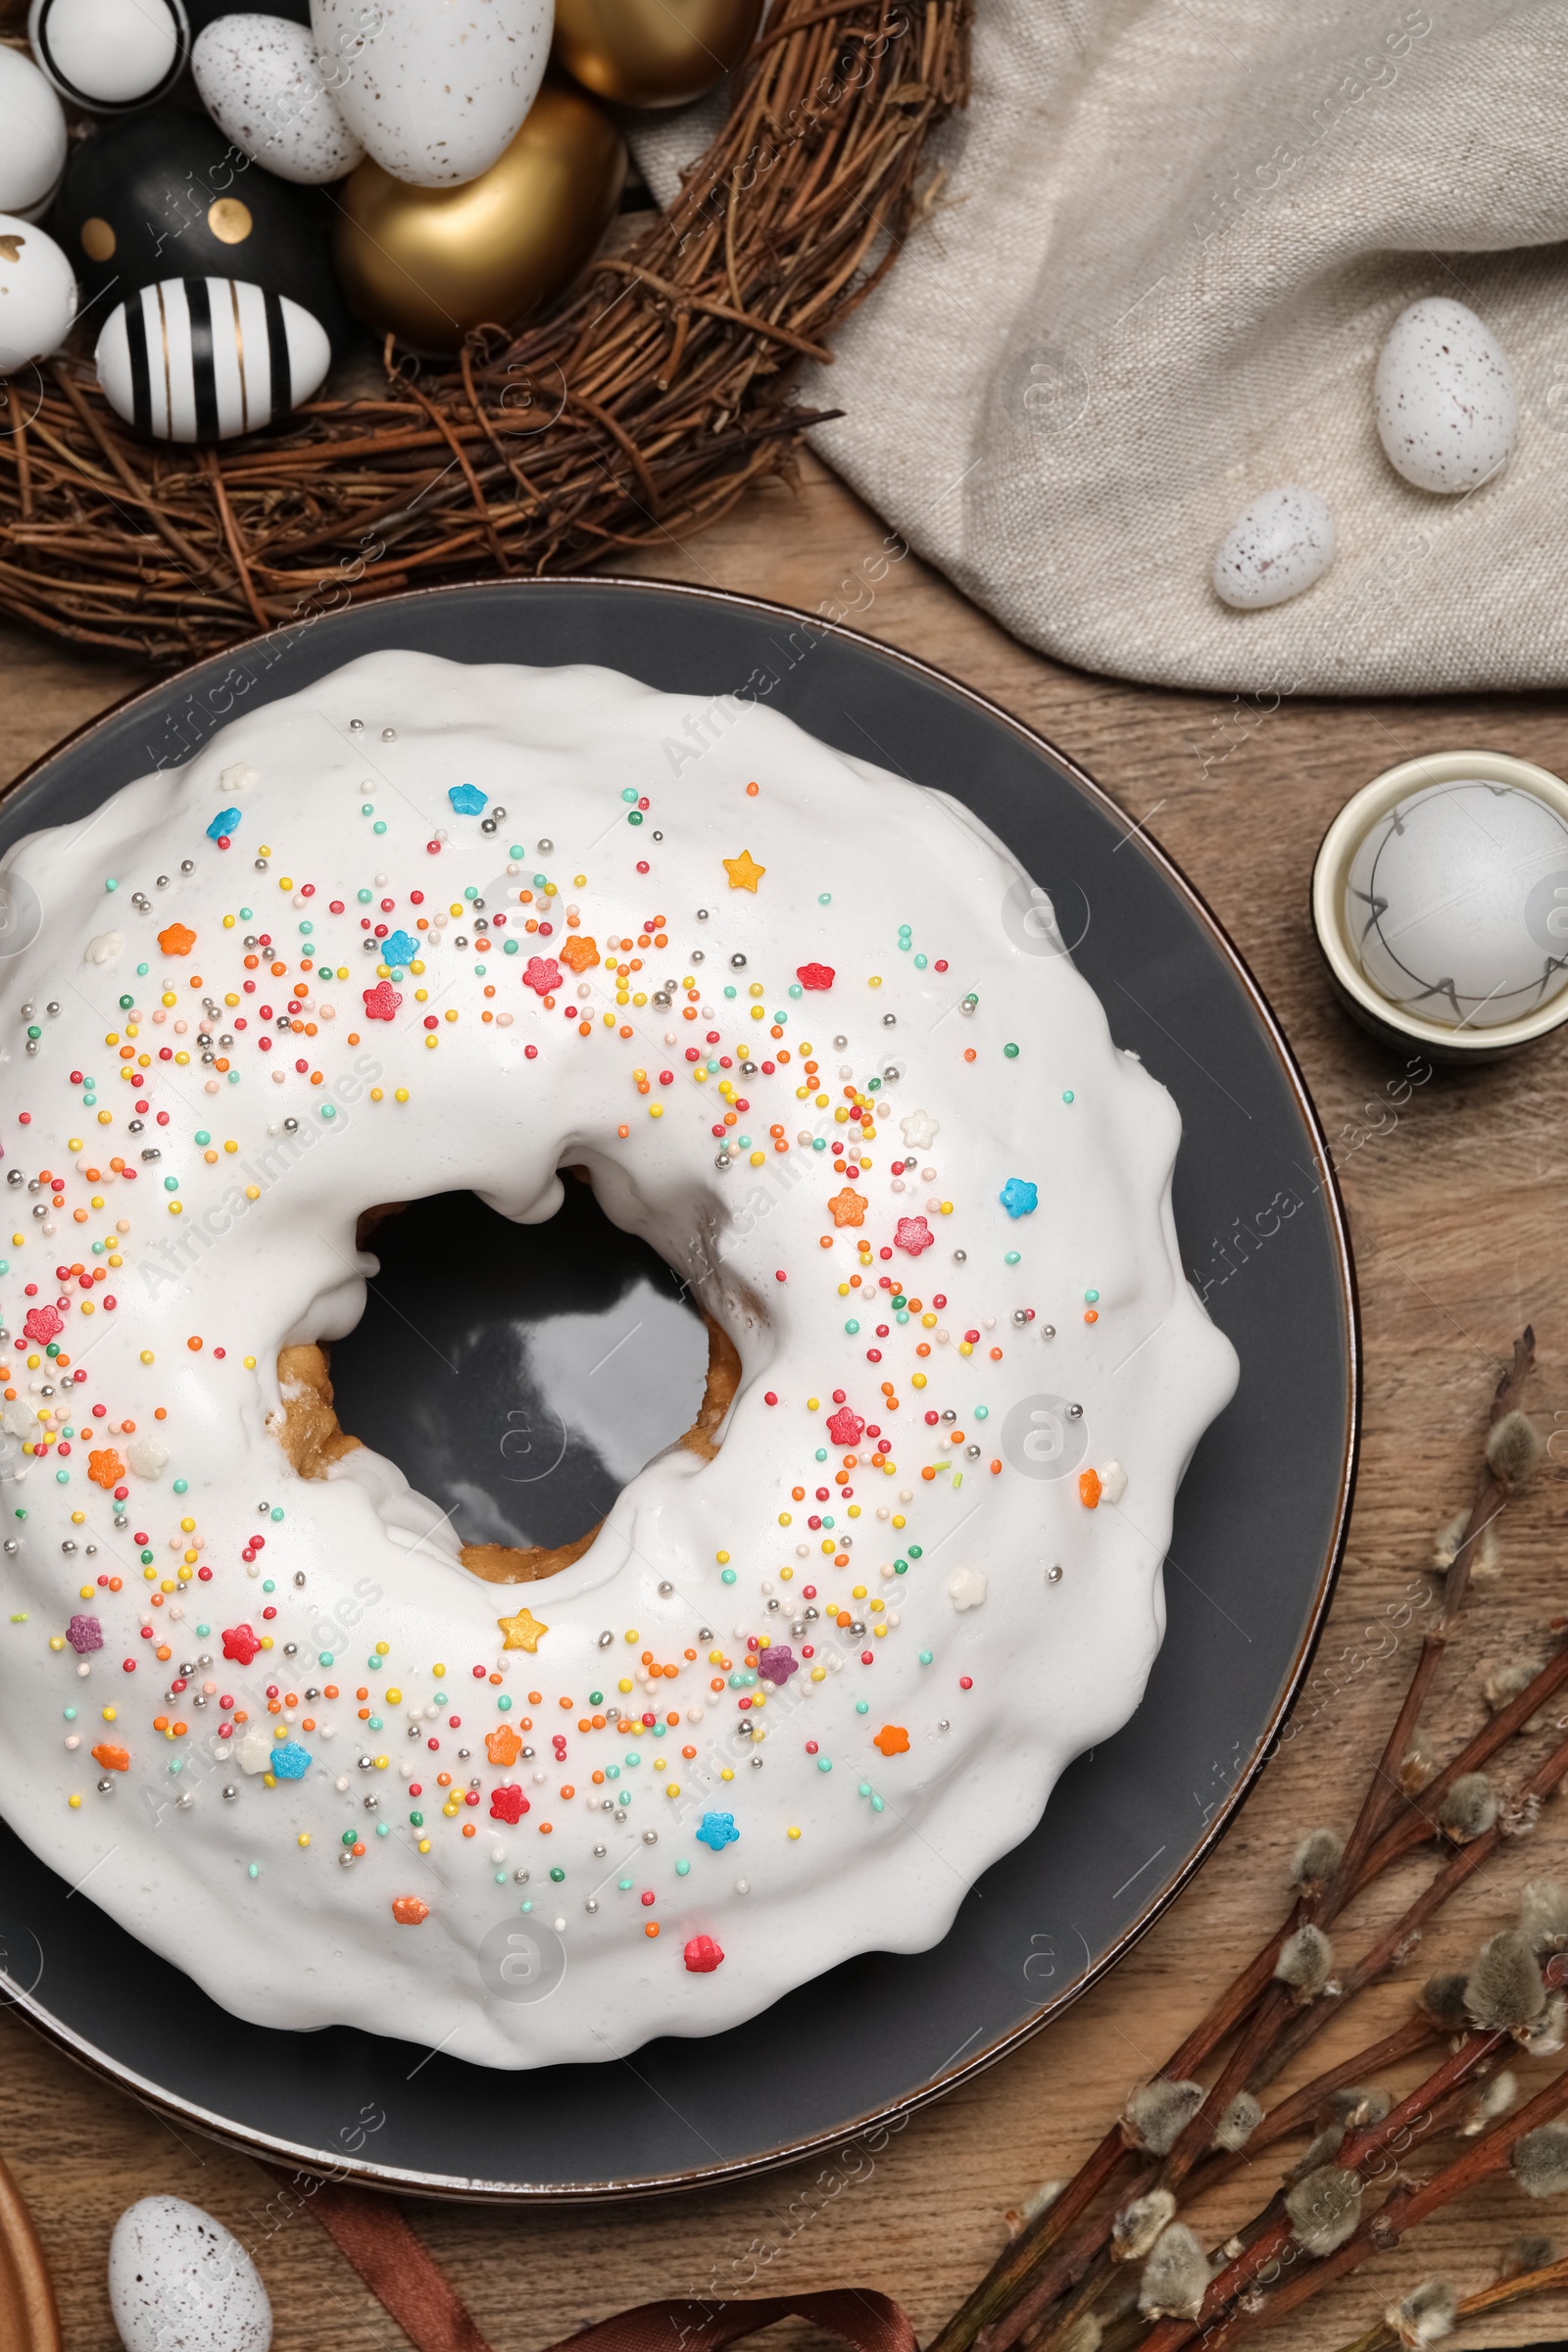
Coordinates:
column 1259, row 1521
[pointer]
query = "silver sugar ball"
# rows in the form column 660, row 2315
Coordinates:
column 605, row 1639
column 701, row 914
column 960, row 1257
column 667, row 1587
column 650, row 1836
column 545, row 848
column 890, row 1021
column 1053, row 1575
column 840, row 1043
column 737, row 963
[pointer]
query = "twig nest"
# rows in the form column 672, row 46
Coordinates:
column 37, row 294
column 1444, row 396
column 179, row 2277
column 32, row 137
column 1280, row 546
column 260, row 80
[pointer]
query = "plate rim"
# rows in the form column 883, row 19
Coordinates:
column 894, row 2114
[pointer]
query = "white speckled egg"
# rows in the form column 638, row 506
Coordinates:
column 1457, row 904
column 179, row 2281
column 261, row 81
column 1282, row 543
column 1447, row 410
column 32, row 137
column 436, row 94
column 37, row 294
column 110, row 56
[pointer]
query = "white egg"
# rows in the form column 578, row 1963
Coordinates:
column 32, row 137
column 436, row 94
column 110, row 56
column 1282, row 543
column 179, row 2281
column 261, row 81
column 37, row 294
column 202, row 359
column 1447, row 410
column 1457, row 904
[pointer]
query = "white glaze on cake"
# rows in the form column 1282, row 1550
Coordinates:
column 843, row 1845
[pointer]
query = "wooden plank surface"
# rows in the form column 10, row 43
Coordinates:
column 1456, row 1199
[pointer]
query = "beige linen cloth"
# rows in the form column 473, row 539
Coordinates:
column 1153, row 282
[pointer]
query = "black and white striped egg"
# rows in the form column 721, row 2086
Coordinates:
column 203, row 359
column 109, row 56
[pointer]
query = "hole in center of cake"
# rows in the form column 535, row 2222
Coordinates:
column 517, row 1375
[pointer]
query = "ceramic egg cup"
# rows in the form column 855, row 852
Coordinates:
column 1387, row 1022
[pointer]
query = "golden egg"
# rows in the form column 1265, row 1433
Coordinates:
column 652, row 51
column 431, row 263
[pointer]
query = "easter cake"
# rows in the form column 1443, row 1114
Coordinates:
column 426, row 928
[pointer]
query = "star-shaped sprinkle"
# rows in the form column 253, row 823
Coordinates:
column 399, row 946
column 1020, row 1198
column 580, row 953
column 176, row 940
column 914, row 1235
column 223, row 825
column 919, row 1130
column 744, row 871
column 522, row 1632
column 815, row 975
column 893, row 1740
column 844, row 1427
column 847, row 1208
column 503, row 1745
column 42, row 1325
column 408, row 1910
column 467, row 799
column 508, row 1803
column 716, row 1830
column 105, row 1469
column 291, row 1761
column 543, row 975
column 380, row 1001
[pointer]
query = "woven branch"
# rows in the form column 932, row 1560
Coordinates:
column 637, row 412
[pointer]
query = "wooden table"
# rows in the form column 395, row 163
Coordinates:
column 1457, row 1209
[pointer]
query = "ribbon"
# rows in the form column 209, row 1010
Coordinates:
column 374, row 2236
